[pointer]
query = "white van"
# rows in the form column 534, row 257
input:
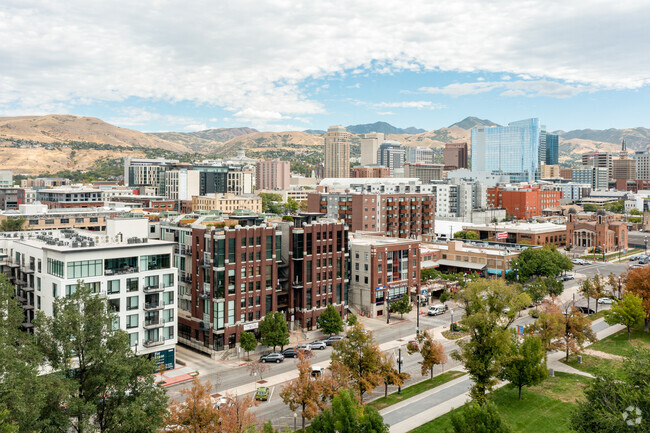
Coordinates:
column 436, row 310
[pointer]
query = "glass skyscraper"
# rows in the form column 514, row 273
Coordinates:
column 511, row 150
column 552, row 149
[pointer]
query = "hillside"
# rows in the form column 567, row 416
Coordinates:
column 472, row 122
column 382, row 127
column 59, row 128
column 293, row 141
column 205, row 141
column 635, row 138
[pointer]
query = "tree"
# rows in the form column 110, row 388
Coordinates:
column 352, row 319
column 196, row 414
column 479, row 418
column 611, row 401
column 330, row 321
column 271, row 202
column 539, row 262
column 433, row 353
column 307, row 393
column 348, row 416
column 548, row 327
column 12, row 224
column 638, row 282
column 466, row 234
column 488, row 344
column 274, row 330
column 525, row 366
column 248, row 342
column 587, row 290
column 257, row 368
column 401, row 306
column 429, row 274
column 291, row 206
column 236, row 416
column 598, row 284
column 109, row 388
column 359, row 363
column 627, row 312
column 576, row 332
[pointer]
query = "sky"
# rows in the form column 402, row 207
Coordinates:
column 165, row 65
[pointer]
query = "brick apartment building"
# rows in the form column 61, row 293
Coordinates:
column 403, row 215
column 371, row 171
column 522, row 202
column 382, row 269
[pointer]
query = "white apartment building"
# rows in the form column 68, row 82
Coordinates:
column 240, row 182
column 182, row 184
column 135, row 274
column 642, row 160
column 458, row 199
column 369, row 147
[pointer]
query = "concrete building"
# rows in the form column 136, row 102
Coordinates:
column 370, row 171
column 455, row 156
column 425, row 172
column 420, row 154
column 486, row 178
column 511, row 150
column 272, row 174
column 521, row 233
column 227, row 203
column 382, row 270
column 135, row 275
column 624, row 168
column 6, row 179
column 39, row 217
column 404, row 215
column 523, row 202
column 602, row 234
column 337, row 152
column 600, row 160
column 392, row 154
column 566, row 173
column 44, row 182
column 302, row 181
column 240, row 182
column 597, row 177
column 67, row 197
column 549, row 171
column 642, row 165
column 572, row 192
column 11, row 198
column 369, row 147
column 145, row 172
column 181, row 184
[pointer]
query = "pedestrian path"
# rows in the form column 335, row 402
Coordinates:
column 175, row 376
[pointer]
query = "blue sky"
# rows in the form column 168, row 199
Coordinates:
column 283, row 65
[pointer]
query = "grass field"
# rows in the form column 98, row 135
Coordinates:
column 544, row 409
column 617, row 344
column 594, row 364
column 416, row 389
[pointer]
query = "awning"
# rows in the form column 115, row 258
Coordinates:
column 459, row 264
column 426, row 264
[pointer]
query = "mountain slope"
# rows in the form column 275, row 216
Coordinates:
column 472, row 122
column 382, row 127
column 206, row 140
column 57, row 128
column 294, row 141
column 635, row 138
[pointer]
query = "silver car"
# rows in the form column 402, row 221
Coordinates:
column 317, row 345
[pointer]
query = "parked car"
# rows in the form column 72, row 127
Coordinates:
column 566, row 277
column 262, row 393
column 634, row 258
column 332, row 339
column 290, row 352
column 586, row 310
column 317, row 345
column 578, row 262
column 276, row 357
column 605, row 300
column 436, row 310
column 413, row 344
column 316, row 371
column 304, row 347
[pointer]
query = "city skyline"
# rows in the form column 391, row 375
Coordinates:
column 280, row 66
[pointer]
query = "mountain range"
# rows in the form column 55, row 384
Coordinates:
column 38, row 144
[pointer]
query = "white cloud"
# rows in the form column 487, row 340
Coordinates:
column 513, row 88
column 385, row 113
column 228, row 54
column 419, row 105
column 196, row 127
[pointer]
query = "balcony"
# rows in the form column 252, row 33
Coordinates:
column 207, row 263
column 20, row 282
column 27, row 307
column 27, row 325
column 203, row 326
column 153, row 306
column 204, row 295
column 155, row 288
column 297, row 284
column 121, row 271
column 27, row 270
column 151, row 324
column 152, row 343
column 28, row 289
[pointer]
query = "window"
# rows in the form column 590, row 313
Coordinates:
column 153, row 262
column 70, row 289
column 168, row 315
column 38, row 283
column 132, row 302
column 55, row 290
column 114, row 305
column 168, row 298
column 133, row 339
column 231, row 312
column 168, row 333
column 168, row 280
column 151, row 281
column 85, row 268
column 55, row 267
column 131, row 284
column 120, row 265
column 132, row 321
column 113, row 286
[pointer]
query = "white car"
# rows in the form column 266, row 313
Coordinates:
column 435, row 310
column 605, row 301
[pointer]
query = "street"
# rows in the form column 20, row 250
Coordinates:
column 233, row 375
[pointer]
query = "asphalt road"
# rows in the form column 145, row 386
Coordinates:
column 275, row 410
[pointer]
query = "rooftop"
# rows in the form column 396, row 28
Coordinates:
column 516, row 227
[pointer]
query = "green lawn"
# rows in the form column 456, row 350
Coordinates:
column 617, row 344
column 416, row 389
column 595, row 365
column 545, row 408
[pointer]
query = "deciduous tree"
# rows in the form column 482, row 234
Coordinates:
column 196, row 414
column 330, row 321
column 525, row 365
column 627, row 312
column 479, row 418
column 638, row 282
column 539, row 262
column 274, row 330
column 248, row 342
column 401, row 306
column 308, row 393
column 348, row 416
column 576, row 331
column 549, row 326
column 236, row 417
column 12, row 224
column 257, row 369
column 433, row 353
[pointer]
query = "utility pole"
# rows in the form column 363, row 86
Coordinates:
column 399, row 369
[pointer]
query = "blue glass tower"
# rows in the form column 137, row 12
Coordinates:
column 552, row 149
column 512, row 149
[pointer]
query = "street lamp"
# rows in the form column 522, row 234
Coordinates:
column 295, row 421
column 417, row 317
column 619, row 287
column 387, row 308
column 399, row 368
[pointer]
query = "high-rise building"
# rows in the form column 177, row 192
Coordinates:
column 6, row 179
column 373, row 171
column 182, row 184
column 391, row 154
column 542, row 145
column 599, row 159
column 512, row 149
column 455, row 156
column 419, row 154
column 552, row 149
column 549, row 171
column 424, row 172
column 337, row 152
column 272, row 174
column 624, row 169
column 597, row 177
column 369, row 147
column 642, row 165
